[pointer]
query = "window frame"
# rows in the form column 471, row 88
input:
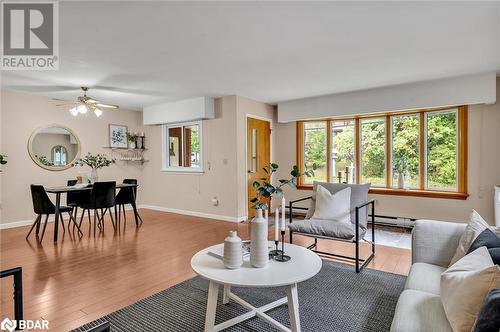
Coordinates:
column 166, row 147
column 421, row 191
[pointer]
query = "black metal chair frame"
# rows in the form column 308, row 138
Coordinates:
column 360, row 263
column 17, row 273
column 97, row 217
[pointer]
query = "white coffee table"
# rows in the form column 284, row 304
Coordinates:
column 303, row 265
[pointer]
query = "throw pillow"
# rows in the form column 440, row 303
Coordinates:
column 488, row 319
column 475, row 226
column 489, row 240
column 465, row 285
column 333, row 206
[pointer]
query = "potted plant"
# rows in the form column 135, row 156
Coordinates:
column 259, row 255
column 401, row 167
column 95, row 162
column 132, row 139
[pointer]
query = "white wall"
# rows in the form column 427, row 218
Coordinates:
column 483, row 171
column 464, row 90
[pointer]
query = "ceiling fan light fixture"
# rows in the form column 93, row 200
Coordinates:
column 82, row 109
column 73, row 111
column 97, row 112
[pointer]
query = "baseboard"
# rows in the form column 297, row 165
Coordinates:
column 30, row 222
column 194, row 213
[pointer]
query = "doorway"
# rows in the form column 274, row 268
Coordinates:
column 258, row 155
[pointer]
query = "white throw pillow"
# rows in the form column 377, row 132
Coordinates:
column 335, row 207
column 475, row 227
column 465, row 285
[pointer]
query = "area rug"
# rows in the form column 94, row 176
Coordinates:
column 336, row 299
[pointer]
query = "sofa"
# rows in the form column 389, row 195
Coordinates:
column 419, row 306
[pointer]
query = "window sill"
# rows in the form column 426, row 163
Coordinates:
column 182, row 171
column 408, row 192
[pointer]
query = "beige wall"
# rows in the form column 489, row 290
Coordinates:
column 21, row 114
column 224, row 163
column 483, row 173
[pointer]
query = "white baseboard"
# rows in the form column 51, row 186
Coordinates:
column 194, row 213
column 30, row 222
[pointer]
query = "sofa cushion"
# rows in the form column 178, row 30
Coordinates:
column 425, row 277
column 465, row 285
column 359, row 195
column 327, row 228
column 475, row 226
column 488, row 319
column 418, row 311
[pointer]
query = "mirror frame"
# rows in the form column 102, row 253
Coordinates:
column 53, row 168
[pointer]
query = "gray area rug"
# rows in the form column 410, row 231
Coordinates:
column 336, row 299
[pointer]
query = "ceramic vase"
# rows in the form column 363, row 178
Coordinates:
column 259, row 253
column 233, row 251
column 93, row 175
column 132, row 145
column 401, row 181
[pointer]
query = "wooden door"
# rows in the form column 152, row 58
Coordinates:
column 258, row 155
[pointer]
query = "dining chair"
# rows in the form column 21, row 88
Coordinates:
column 126, row 196
column 42, row 205
column 75, row 199
column 102, row 197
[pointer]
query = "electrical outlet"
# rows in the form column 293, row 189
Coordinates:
column 215, row 201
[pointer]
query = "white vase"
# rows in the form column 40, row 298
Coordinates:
column 259, row 253
column 233, row 251
column 132, row 145
column 401, row 181
column 93, row 175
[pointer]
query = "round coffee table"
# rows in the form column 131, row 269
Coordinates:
column 303, row 265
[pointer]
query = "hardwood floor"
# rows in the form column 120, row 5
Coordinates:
column 76, row 281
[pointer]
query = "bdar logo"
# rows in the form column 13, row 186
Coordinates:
column 7, row 324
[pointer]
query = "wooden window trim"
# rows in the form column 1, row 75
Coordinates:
column 462, row 117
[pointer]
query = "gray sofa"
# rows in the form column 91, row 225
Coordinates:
column 419, row 306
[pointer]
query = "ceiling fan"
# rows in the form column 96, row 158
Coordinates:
column 85, row 103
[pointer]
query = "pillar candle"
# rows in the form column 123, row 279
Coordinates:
column 283, row 215
column 276, row 224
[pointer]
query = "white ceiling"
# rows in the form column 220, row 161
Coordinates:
column 136, row 54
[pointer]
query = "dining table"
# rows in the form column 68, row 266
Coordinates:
column 59, row 190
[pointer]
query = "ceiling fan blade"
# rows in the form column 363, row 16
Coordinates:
column 106, row 105
column 90, row 100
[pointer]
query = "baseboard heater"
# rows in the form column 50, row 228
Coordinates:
column 379, row 220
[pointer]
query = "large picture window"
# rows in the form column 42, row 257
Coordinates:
column 417, row 153
column 182, row 150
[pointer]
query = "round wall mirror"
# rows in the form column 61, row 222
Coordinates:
column 54, row 147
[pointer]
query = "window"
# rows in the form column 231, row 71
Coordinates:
column 59, row 155
column 183, row 148
column 314, row 149
column 373, row 157
column 416, row 153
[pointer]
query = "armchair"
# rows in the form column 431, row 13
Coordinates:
column 329, row 230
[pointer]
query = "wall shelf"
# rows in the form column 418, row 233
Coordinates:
column 128, row 155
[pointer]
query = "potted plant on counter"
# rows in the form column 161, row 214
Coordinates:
column 132, row 139
column 95, row 162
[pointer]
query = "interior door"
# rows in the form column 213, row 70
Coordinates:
column 258, row 155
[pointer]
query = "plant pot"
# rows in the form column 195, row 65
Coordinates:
column 233, row 251
column 259, row 253
column 401, row 181
column 93, row 175
column 132, row 145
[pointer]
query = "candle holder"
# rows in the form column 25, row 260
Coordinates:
column 281, row 257
column 275, row 252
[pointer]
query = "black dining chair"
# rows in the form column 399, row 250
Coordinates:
column 77, row 198
column 126, row 196
column 102, row 197
column 42, row 205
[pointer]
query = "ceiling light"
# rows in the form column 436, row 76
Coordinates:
column 82, row 109
column 97, row 112
column 74, row 111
